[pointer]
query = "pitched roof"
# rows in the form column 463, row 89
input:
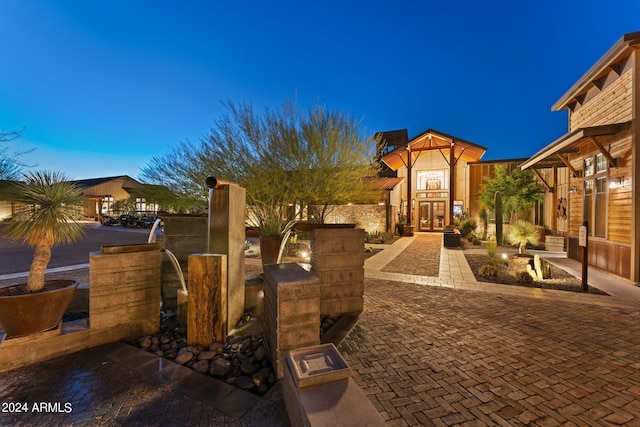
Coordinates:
column 92, row 182
column 386, row 183
column 613, row 59
column 435, row 140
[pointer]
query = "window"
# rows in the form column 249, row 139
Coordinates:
column 600, row 217
column 432, row 180
column 588, row 166
column 588, row 203
column 107, row 206
column 141, row 204
column 601, row 163
column 595, row 195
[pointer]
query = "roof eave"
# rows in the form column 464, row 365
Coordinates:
column 568, row 139
column 615, row 52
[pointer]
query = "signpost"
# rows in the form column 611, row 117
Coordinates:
column 583, row 240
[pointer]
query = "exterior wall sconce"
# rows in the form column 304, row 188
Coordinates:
column 573, row 190
column 617, row 182
column 413, row 203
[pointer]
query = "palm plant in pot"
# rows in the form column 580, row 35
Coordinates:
column 49, row 203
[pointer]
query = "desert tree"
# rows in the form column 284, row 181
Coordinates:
column 285, row 156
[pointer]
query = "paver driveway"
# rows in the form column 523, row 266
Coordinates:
column 437, row 356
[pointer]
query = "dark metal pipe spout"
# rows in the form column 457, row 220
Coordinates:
column 213, row 182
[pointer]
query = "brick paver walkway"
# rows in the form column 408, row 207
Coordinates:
column 436, row 356
column 479, row 354
column 455, row 352
column 422, row 257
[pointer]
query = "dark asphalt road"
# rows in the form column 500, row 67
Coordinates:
column 15, row 257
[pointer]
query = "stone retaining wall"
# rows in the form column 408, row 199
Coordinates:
column 124, row 304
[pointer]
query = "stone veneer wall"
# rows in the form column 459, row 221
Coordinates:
column 337, row 259
column 371, row 218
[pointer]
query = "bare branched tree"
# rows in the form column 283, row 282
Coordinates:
column 10, row 165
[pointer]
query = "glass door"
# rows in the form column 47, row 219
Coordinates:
column 424, row 218
column 431, row 216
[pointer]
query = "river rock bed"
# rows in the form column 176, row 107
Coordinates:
column 241, row 362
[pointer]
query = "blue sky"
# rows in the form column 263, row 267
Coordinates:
column 102, row 86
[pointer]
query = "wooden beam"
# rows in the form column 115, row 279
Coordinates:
column 617, row 68
column 599, row 83
column 458, row 158
column 568, row 164
column 613, row 163
column 547, row 186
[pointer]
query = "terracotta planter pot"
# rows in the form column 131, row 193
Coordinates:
column 269, row 248
column 22, row 315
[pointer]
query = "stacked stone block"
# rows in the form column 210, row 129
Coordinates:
column 337, row 259
column 291, row 311
column 125, row 290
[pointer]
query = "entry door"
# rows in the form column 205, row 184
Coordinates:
column 431, row 216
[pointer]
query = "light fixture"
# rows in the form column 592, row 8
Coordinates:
column 617, row 182
column 573, row 190
column 413, row 203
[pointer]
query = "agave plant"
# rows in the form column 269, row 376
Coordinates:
column 49, row 203
column 522, row 232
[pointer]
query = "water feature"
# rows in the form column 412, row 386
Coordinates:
column 285, row 238
column 172, row 257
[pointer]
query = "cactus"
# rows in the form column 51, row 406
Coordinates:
column 497, row 200
column 532, row 272
column 537, row 262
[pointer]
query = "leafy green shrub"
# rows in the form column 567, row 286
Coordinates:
column 524, row 277
column 492, row 248
column 386, row 236
column 488, row 270
column 467, row 226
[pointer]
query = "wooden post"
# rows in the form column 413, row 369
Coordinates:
column 452, row 181
column 583, row 240
column 207, row 311
column 409, row 198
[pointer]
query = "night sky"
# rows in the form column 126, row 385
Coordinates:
column 102, row 86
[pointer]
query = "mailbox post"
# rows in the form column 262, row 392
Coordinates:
column 583, row 241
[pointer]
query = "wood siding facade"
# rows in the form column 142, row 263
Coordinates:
column 597, row 164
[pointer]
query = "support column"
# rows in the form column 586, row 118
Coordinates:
column 635, row 172
column 452, row 180
column 409, row 172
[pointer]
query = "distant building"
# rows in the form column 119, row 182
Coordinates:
column 101, row 193
column 434, row 165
